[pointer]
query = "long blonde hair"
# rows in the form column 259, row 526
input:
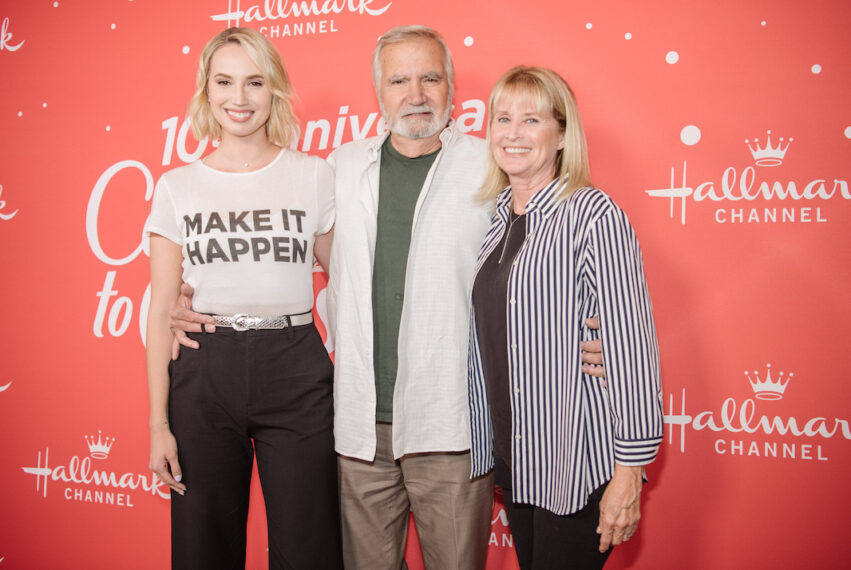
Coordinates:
column 552, row 95
column 282, row 125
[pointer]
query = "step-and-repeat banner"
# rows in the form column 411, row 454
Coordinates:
column 722, row 128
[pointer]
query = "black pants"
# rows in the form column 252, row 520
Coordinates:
column 267, row 393
column 546, row 541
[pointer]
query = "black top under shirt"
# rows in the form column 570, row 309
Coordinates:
column 490, row 293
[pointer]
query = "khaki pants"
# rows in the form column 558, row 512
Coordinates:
column 452, row 512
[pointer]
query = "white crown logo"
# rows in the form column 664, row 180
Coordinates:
column 99, row 449
column 768, row 155
column 768, row 389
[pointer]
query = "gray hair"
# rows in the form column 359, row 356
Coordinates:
column 401, row 34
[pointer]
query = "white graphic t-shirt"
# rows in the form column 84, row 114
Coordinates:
column 247, row 237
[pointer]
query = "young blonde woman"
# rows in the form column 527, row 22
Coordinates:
column 241, row 227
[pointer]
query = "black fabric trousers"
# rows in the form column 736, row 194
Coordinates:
column 266, row 393
column 546, row 541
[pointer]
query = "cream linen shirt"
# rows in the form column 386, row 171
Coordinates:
column 430, row 397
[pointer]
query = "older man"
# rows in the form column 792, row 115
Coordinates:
column 407, row 235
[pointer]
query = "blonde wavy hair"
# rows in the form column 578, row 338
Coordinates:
column 282, row 125
column 551, row 95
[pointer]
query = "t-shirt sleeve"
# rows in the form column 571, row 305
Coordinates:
column 324, row 197
column 163, row 220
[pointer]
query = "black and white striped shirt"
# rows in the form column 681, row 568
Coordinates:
column 581, row 258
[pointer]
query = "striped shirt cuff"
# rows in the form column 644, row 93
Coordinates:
column 636, row 451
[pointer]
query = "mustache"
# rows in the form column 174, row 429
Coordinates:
column 417, row 109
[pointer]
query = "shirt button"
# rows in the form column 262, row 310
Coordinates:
column 398, row 296
column 517, row 390
column 514, row 346
column 518, row 436
column 513, row 302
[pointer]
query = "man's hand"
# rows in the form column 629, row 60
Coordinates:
column 592, row 353
column 184, row 320
column 620, row 507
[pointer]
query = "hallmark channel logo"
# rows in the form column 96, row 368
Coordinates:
column 774, row 200
column 86, row 480
column 768, row 155
column 289, row 18
column 100, row 448
column 768, row 389
column 743, row 427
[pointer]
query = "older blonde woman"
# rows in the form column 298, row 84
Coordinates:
column 568, row 450
column 241, row 227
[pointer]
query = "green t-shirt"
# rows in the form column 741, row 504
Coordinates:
column 401, row 180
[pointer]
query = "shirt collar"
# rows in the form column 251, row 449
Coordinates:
column 544, row 200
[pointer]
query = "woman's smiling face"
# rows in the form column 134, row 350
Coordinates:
column 239, row 98
column 524, row 140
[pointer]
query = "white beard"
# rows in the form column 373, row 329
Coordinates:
column 421, row 129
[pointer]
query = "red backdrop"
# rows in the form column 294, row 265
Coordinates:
column 745, row 243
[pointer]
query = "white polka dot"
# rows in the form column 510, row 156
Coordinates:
column 112, row 26
column 185, row 50
column 56, row 4
column 20, row 113
column 108, row 128
column 468, row 41
column 672, row 57
column 690, row 135
column 762, row 23
column 816, row 69
column 627, row 36
column 44, row 105
column 848, row 132
column 588, row 26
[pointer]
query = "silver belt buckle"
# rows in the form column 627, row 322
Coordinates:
column 242, row 322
